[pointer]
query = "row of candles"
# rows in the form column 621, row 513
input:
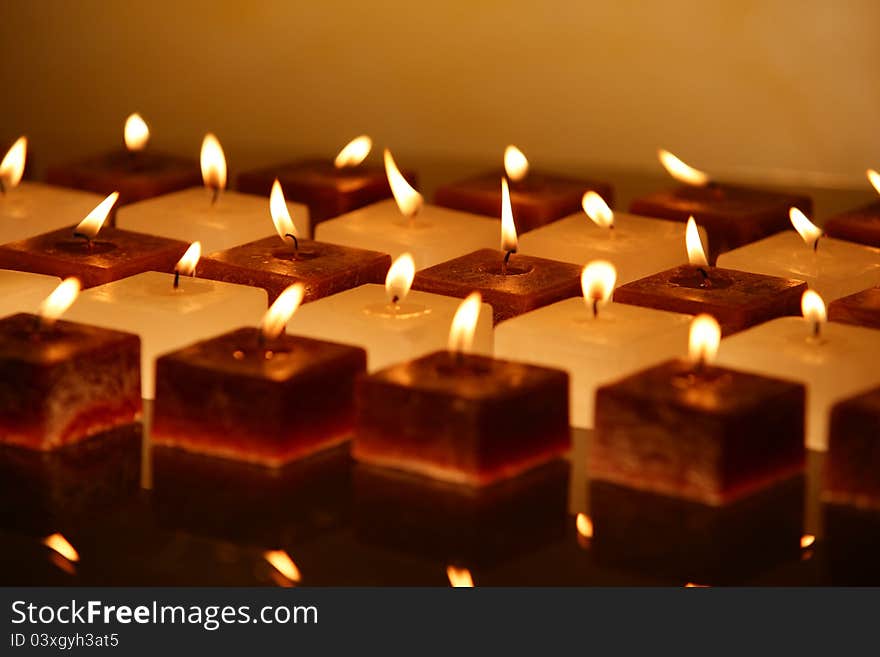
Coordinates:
column 379, row 363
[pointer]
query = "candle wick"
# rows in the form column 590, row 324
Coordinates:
column 295, row 244
column 2, row 187
column 816, row 243
column 86, row 238
column 215, row 196
column 176, row 278
column 505, row 261
column 817, row 329
column 595, row 308
column 705, row 274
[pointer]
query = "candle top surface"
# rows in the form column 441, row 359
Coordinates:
column 630, row 232
column 536, row 188
column 15, row 281
column 860, row 225
column 194, row 205
column 867, row 402
column 39, row 201
column 721, row 200
column 431, row 223
column 322, row 173
column 141, row 164
column 860, row 308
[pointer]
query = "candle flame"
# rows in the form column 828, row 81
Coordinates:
column 597, row 210
column 508, row 228
column 694, row 243
column 705, row 335
column 91, row 225
column 12, row 166
column 213, row 163
column 136, row 134
column 281, row 561
column 874, row 178
column 281, row 215
column 62, row 546
column 186, row 266
column 464, row 324
column 807, row 540
column 459, row 577
column 813, row 307
column 584, row 525
column 354, row 152
column 58, row 301
column 808, row 231
column 680, row 171
column 597, row 281
column 516, row 166
column 409, row 201
column 281, row 311
column 400, row 277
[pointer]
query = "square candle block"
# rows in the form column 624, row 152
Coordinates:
column 861, row 225
column 63, row 384
column 188, row 215
column 840, row 363
column 433, row 236
column 112, row 255
column 710, row 435
column 737, row 299
column 462, row 418
column 269, row 263
column 168, row 318
column 732, row 216
column 328, row 191
column 34, row 208
column 835, row 269
column 528, row 284
column 231, row 397
column 364, row 318
column 852, row 467
column 638, row 246
column 136, row 176
column 536, row 201
column 22, row 292
column 861, row 308
column 594, row 351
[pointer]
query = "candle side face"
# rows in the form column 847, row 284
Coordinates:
column 852, row 474
column 835, row 269
column 594, row 351
column 34, row 208
column 839, row 365
column 861, row 309
column 23, row 292
column 861, row 225
column 363, row 317
column 638, row 246
column 435, row 235
column 188, row 215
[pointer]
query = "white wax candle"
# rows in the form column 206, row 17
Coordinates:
column 621, row 339
column 23, row 293
column 188, row 215
column 363, row 317
column 34, row 208
column 841, row 362
column 638, row 246
column 168, row 318
column 835, row 269
column 433, row 236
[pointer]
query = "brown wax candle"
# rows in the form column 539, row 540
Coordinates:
column 737, row 299
column 112, row 255
column 528, row 283
column 273, row 265
column 706, row 434
column 861, row 225
column 64, row 383
column 536, row 200
column 462, row 418
column 861, row 308
column 732, row 216
column 852, row 468
column 269, row 403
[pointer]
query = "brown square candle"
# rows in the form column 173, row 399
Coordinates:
column 852, row 466
column 861, row 308
column 62, row 384
column 861, row 225
column 528, row 283
column 462, row 418
column 236, row 396
column 271, row 264
column 703, row 433
column 737, row 299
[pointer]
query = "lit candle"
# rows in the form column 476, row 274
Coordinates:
column 167, row 312
column 732, row 215
column 258, row 395
column 852, row 466
column 638, row 246
column 694, row 430
column 217, row 218
column 406, row 225
column 22, row 292
column 461, row 417
column 861, row 225
column 834, row 268
column 62, row 382
column 274, row 265
column 737, row 299
column 537, row 198
column 833, row 360
column 596, row 342
column 861, row 308
column 135, row 172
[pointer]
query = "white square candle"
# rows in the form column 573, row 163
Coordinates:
column 167, row 318
column 23, row 293
column 188, row 215
column 593, row 350
column 363, row 317
column 34, row 208
column 433, row 236
column 841, row 362
column 835, row 269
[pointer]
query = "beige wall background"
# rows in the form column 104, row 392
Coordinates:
column 780, row 90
